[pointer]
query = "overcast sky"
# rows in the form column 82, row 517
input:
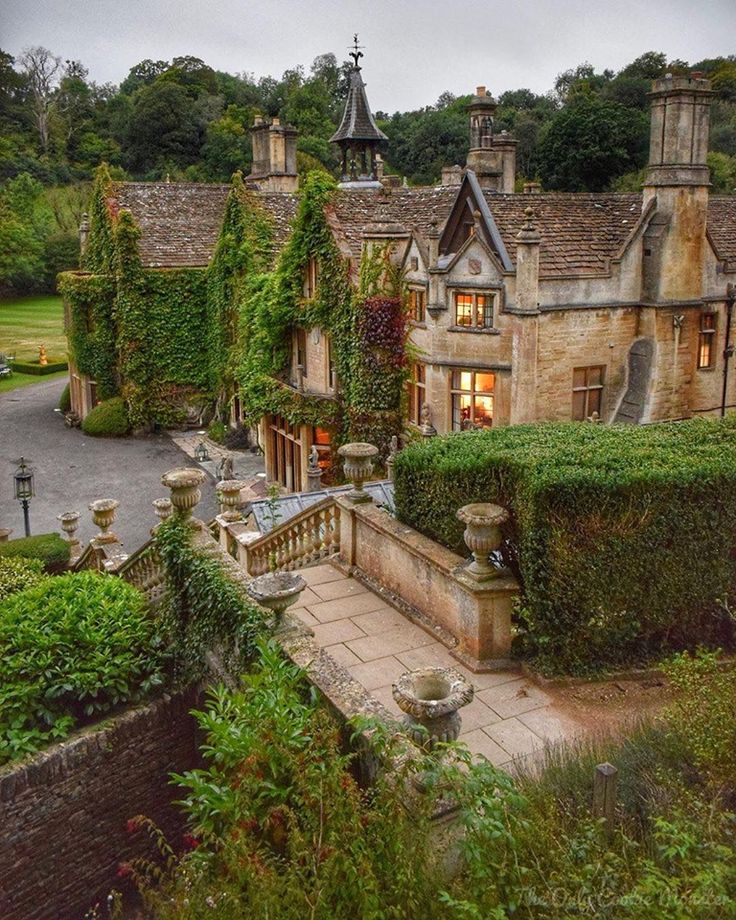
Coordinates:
column 414, row 49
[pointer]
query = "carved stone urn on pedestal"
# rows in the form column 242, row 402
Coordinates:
column 431, row 697
column 358, row 467
column 185, row 494
column 483, row 536
column 276, row 591
column 228, row 494
column 69, row 521
column 163, row 508
column 103, row 514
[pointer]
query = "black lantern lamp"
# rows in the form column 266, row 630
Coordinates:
column 201, row 453
column 24, row 492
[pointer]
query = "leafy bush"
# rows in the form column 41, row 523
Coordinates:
column 48, row 547
column 622, row 536
column 217, row 431
column 39, row 370
column 65, row 400
column 72, row 648
column 109, row 419
column 17, row 573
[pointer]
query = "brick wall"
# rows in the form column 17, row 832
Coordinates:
column 63, row 814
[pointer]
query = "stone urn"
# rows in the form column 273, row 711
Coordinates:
column 103, row 514
column 358, row 467
column 276, row 590
column 184, row 483
column 163, row 508
column 69, row 521
column 228, row 494
column 5, row 534
column 482, row 536
column 431, row 697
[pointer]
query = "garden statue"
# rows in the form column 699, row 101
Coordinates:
column 225, row 468
column 313, row 459
column 426, row 427
column 42, row 359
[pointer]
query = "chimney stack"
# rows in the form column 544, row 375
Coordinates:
column 274, row 156
column 491, row 158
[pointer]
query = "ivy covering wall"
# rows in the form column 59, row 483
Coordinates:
column 165, row 338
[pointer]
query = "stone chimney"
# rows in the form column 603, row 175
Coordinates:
column 678, row 180
column 527, row 264
column 274, row 156
column 525, row 324
column 452, row 175
column 492, row 158
column 532, row 188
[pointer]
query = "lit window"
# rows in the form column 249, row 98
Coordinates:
column 587, row 390
column 472, row 399
column 417, row 393
column 706, row 341
column 417, row 304
column 474, row 310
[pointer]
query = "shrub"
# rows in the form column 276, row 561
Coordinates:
column 48, row 547
column 65, row 400
column 72, row 647
column 623, row 537
column 217, row 431
column 40, row 370
column 109, row 419
column 17, row 573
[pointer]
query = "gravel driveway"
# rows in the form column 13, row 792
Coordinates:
column 71, row 469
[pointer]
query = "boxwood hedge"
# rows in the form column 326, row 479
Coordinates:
column 624, row 538
column 50, row 548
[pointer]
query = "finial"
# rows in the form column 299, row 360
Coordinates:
column 529, row 214
column 356, row 54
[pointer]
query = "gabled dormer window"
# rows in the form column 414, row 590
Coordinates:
column 311, row 277
column 417, row 304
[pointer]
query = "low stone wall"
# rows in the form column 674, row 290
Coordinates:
column 431, row 580
column 63, row 814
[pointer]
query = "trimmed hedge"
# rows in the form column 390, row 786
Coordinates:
column 39, row 370
column 72, row 648
column 48, row 547
column 109, row 419
column 17, row 574
column 624, row 538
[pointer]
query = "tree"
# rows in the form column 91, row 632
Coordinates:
column 591, row 142
column 164, row 126
column 142, row 74
column 41, row 68
column 25, row 223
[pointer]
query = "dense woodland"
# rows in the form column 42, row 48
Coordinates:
column 182, row 119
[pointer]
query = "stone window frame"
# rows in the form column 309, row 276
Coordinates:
column 473, row 392
column 707, row 331
column 474, row 294
column 417, row 308
column 588, row 390
column 417, row 392
column 311, row 277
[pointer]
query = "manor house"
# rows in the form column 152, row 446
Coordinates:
column 524, row 306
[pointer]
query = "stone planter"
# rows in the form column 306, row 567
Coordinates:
column 103, row 514
column 358, row 467
column 228, row 494
column 431, row 697
column 163, row 508
column 69, row 521
column 5, row 534
column 276, row 590
column 482, row 536
column 184, row 484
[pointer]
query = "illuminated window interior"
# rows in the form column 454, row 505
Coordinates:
column 472, row 399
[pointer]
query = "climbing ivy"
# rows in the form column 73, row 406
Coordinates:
column 90, row 328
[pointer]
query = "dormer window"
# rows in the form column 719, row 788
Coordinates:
column 474, row 310
column 311, row 277
column 418, row 304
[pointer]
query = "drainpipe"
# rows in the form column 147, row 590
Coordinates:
column 728, row 348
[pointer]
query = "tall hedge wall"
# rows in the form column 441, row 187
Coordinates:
column 624, row 538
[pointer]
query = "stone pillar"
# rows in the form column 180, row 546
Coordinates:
column 525, row 324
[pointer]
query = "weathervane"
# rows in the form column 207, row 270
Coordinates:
column 356, row 54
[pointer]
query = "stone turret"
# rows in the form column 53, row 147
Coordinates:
column 274, row 156
column 678, row 179
column 491, row 157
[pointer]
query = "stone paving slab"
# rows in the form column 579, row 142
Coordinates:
column 509, row 720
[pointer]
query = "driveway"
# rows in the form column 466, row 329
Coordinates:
column 71, row 469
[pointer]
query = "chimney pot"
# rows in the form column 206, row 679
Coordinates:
column 276, row 122
column 480, row 91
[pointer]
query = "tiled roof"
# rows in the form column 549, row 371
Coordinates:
column 179, row 221
column 412, row 209
column 722, row 226
column 357, row 120
column 580, row 233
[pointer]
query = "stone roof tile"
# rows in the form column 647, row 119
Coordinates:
column 722, row 226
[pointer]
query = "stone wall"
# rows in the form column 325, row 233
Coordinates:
column 63, row 814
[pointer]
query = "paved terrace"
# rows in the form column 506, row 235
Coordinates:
column 509, row 717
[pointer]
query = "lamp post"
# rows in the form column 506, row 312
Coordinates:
column 201, row 453
column 23, row 477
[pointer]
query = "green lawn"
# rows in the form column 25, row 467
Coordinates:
column 25, row 380
column 27, row 322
